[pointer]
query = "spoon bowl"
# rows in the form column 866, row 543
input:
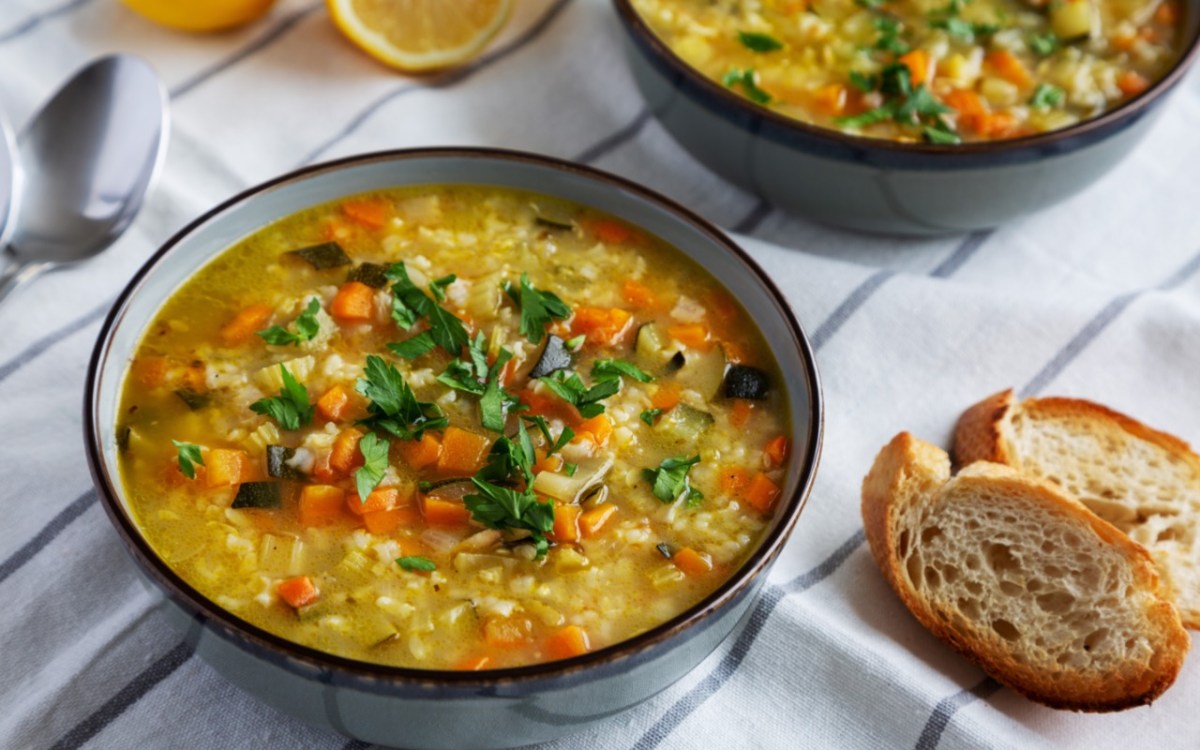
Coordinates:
column 88, row 159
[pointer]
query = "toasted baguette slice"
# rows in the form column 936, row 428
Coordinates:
column 1024, row 580
column 1144, row 482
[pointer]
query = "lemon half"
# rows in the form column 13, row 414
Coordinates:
column 201, row 15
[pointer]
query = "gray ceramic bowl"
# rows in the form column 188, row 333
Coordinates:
column 876, row 185
column 441, row 709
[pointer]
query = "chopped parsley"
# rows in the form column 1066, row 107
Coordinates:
column 306, row 328
column 393, row 406
column 290, row 408
column 501, row 506
column 670, row 480
column 940, row 137
column 410, row 304
column 863, row 82
column 1043, row 44
column 414, row 347
column 552, row 445
column 965, row 30
column 538, row 308
column 189, row 458
column 573, row 344
column 473, row 375
column 747, row 81
column 374, row 450
column 570, row 469
column 1046, row 96
column 889, row 36
column 650, row 415
column 906, row 105
column 570, row 388
column 416, row 562
column 757, row 42
column 608, row 369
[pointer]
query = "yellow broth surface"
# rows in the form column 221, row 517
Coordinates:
column 315, row 450
column 940, row 71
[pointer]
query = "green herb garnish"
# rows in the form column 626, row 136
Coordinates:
column 538, row 308
column 189, row 458
column 570, row 469
column 570, row 388
column 889, row 36
column 1043, row 44
column 416, row 562
column 476, row 377
column 410, row 304
column 863, row 82
column 414, row 347
column 1046, row 96
column 573, row 344
column 608, row 369
column 393, row 406
column 306, row 327
column 290, row 408
column 940, row 137
column 504, row 508
column 374, row 450
column 552, row 445
column 747, row 81
column 650, row 415
column 757, row 42
column 670, row 479
column 965, row 30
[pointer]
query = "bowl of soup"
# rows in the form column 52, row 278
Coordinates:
column 453, row 448
column 909, row 116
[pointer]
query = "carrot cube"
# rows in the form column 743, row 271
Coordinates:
column 371, row 213
column 440, row 512
column 353, row 303
column 761, row 493
column 603, row 325
column 917, row 62
column 567, row 642
column 344, row 456
column 666, row 397
column 463, row 452
column 594, row 519
column 777, row 450
column 320, row 504
column 566, row 523
column 740, row 413
column 297, row 592
column 420, row 453
column 599, row 427
column 734, row 479
column 383, row 498
column 150, row 372
column 691, row 562
column 639, row 295
column 387, row 521
column 334, row 404
column 242, row 327
column 695, row 335
column 226, row 467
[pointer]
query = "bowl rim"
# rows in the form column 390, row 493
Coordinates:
column 379, row 677
column 633, row 21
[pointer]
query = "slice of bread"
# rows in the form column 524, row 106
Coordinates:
column 1024, row 580
column 1144, row 482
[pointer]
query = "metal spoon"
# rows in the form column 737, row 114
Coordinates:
column 88, row 158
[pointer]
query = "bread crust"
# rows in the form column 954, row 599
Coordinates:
column 909, row 471
column 979, row 436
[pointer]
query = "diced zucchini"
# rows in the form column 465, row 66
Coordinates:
column 554, row 357
column 373, row 275
column 649, row 348
column 554, row 214
column 279, row 555
column 257, row 495
column 1071, row 19
column 324, row 256
column 684, row 424
column 742, row 381
column 704, row 372
column 277, row 466
column 570, row 489
column 193, row 399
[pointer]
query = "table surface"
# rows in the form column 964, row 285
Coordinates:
column 1098, row 297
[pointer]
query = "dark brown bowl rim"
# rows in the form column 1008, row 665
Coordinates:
column 634, row 22
column 290, row 654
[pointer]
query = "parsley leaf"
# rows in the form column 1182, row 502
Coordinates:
column 863, row 82
column 510, row 461
column 870, row 4
column 438, row 286
column 538, row 308
column 306, row 327
column 1043, row 44
column 747, row 80
column 573, row 344
column 414, row 347
column 410, row 304
column 940, row 137
column 290, row 408
column 1046, row 96
column 495, row 401
column 870, row 117
column 394, row 407
column 189, row 458
column 757, row 42
column 374, row 451
column 474, row 376
column 552, row 445
column 504, row 508
column 671, row 479
column 570, row 388
column 416, row 562
column 607, row 369
column 650, row 415
column 889, row 36
column 965, row 30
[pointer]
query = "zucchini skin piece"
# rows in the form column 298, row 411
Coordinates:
column 277, row 458
column 264, row 495
column 742, row 381
column 324, row 256
column 372, row 274
column 554, row 357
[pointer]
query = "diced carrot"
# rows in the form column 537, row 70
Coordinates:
column 918, row 66
column 420, row 453
column 722, row 307
column 506, row 632
column 761, row 493
column 473, row 663
column 740, row 412
column 440, row 512
column 639, row 295
column 1167, row 14
column 320, row 504
column 611, row 232
column 1125, row 42
column 691, row 562
column 150, row 372
column 666, row 397
column 594, row 519
column 344, row 456
column 353, row 303
column 195, row 377
column 383, row 498
column 297, row 592
column 322, row 471
column 242, row 327
column 735, row 353
column 226, row 467
column 462, row 452
column 334, row 403
column 602, row 325
column 386, row 521
column 371, row 213
column 547, row 463
column 965, row 102
column 1009, row 67
column 599, row 427
column 567, row 642
column 831, row 99
column 1132, row 83
column 549, row 405
column 734, row 479
column 777, row 450
column 695, row 335
column 566, row 523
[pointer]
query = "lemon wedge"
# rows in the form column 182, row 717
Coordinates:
column 201, row 15
column 420, row 35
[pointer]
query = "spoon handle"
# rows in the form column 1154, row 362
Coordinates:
column 17, row 272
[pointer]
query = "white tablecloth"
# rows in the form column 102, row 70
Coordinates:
column 1098, row 297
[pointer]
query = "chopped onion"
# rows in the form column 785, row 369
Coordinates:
column 441, row 540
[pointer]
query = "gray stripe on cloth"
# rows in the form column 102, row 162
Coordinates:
column 963, row 253
column 48, row 533
column 146, row 680
column 34, row 350
column 36, row 20
column 271, row 35
column 610, row 143
column 751, row 221
column 445, row 80
column 849, row 306
column 944, row 711
column 766, row 604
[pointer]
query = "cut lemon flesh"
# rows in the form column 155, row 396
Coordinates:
column 201, row 15
column 420, row 35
